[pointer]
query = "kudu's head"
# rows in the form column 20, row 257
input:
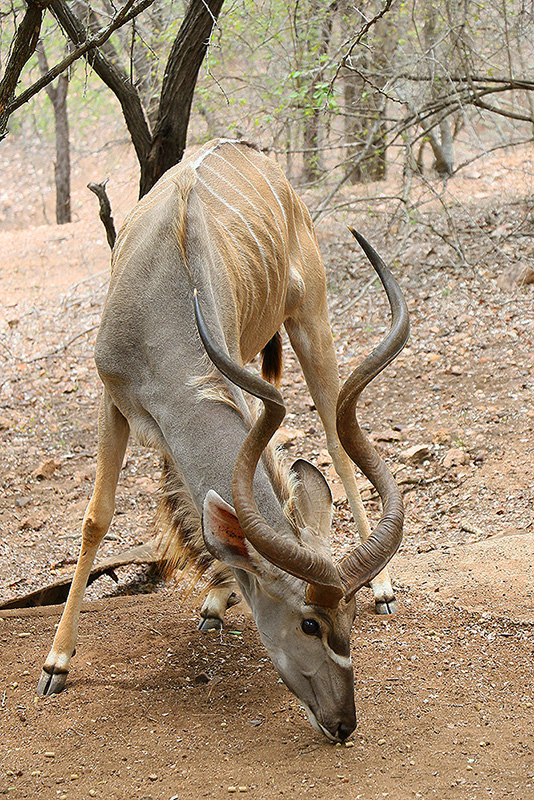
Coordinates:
column 303, row 602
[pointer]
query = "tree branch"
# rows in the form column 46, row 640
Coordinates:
column 105, row 210
column 502, row 112
column 112, row 76
column 179, row 81
column 87, row 46
column 22, row 48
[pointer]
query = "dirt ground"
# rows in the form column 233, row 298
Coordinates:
column 153, row 709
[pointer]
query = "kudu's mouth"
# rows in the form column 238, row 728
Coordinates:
column 341, row 732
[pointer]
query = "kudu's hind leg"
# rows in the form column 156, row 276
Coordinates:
column 113, row 431
column 314, row 346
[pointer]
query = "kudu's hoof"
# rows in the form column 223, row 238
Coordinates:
column 51, row 683
column 210, row 624
column 386, row 606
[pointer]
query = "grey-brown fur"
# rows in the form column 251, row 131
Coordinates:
column 181, row 545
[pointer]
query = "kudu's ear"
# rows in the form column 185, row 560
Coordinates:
column 312, row 498
column 223, row 535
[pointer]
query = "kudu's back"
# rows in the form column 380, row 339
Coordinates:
column 233, row 219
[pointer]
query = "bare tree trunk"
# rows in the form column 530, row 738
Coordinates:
column 58, row 97
column 22, row 48
column 442, row 147
column 62, row 165
column 161, row 149
column 186, row 56
column 364, row 102
column 112, row 76
column 318, row 39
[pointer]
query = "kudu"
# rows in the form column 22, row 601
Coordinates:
column 225, row 234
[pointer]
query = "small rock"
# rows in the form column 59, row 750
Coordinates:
column 22, row 501
column 425, row 547
column 456, row 369
column 50, row 754
column 46, row 469
column 479, row 458
column 31, row 524
column 441, row 436
column 232, row 789
column 455, row 457
column 415, row 454
column 202, row 677
column 381, row 742
column 387, row 435
column 5, row 424
column 152, row 777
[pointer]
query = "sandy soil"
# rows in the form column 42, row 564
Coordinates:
column 444, row 701
column 153, row 709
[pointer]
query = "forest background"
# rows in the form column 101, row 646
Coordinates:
column 342, row 94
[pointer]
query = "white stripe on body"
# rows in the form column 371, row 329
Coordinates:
column 267, row 181
column 200, row 158
column 255, row 188
column 245, row 222
column 244, row 196
column 283, row 210
column 232, row 236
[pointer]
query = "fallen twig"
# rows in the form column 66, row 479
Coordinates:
column 57, row 592
column 469, row 528
column 62, row 347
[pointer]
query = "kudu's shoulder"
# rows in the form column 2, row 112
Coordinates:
column 160, row 212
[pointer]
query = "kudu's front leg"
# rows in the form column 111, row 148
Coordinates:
column 314, row 346
column 113, row 432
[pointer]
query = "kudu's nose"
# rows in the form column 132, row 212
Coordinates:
column 344, row 731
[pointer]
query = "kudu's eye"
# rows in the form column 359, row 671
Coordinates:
column 310, row 627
